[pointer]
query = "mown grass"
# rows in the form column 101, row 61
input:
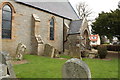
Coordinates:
column 103, row 68
column 39, row 67
column 42, row 67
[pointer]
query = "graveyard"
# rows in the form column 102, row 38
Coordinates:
column 45, row 67
column 53, row 41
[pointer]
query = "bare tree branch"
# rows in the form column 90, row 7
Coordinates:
column 83, row 10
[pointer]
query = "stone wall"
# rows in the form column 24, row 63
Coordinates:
column 23, row 24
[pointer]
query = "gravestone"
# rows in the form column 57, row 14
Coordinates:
column 6, row 69
column 21, row 48
column 76, row 68
column 50, row 51
column 40, row 45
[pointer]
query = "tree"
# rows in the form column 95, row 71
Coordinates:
column 83, row 10
column 119, row 4
column 107, row 24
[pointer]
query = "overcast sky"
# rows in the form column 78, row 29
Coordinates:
column 98, row 5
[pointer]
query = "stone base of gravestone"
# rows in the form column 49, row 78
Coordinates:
column 76, row 68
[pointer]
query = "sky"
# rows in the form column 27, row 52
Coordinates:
column 97, row 6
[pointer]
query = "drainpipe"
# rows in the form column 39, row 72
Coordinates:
column 63, row 36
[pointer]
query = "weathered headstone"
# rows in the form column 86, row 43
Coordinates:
column 40, row 45
column 21, row 48
column 76, row 68
column 50, row 51
column 6, row 69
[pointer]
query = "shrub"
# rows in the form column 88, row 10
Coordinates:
column 113, row 47
column 102, row 51
column 95, row 46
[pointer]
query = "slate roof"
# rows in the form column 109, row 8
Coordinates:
column 75, row 26
column 62, row 9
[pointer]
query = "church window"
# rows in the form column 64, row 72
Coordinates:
column 6, row 21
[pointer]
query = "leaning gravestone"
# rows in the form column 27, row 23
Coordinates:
column 76, row 68
column 50, row 51
column 6, row 69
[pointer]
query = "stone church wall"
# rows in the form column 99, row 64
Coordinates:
column 22, row 27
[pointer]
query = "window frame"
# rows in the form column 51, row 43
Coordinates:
column 7, row 20
column 53, row 28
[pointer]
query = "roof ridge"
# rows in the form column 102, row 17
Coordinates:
column 73, row 8
column 64, row 9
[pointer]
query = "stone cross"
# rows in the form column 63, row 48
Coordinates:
column 6, row 69
column 76, row 68
column 21, row 48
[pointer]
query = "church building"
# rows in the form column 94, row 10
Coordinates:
column 34, row 24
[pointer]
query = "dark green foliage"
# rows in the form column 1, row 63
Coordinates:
column 113, row 47
column 95, row 46
column 107, row 23
column 102, row 51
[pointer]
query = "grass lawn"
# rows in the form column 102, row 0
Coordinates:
column 42, row 67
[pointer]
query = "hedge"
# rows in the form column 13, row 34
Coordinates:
column 110, row 47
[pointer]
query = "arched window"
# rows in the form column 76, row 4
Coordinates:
column 6, row 21
column 52, row 29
